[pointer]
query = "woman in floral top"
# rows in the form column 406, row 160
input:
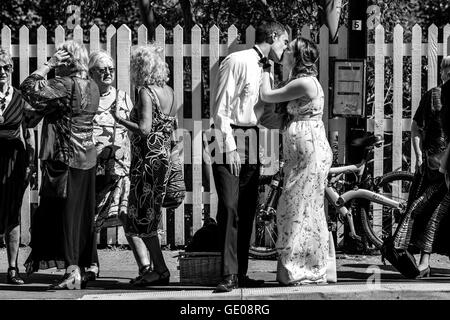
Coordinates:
column 113, row 149
column 62, row 231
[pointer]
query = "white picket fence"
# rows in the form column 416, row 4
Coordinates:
column 118, row 43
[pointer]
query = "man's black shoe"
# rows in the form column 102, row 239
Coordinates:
column 246, row 282
column 228, row 283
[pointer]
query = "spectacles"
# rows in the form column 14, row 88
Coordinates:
column 102, row 71
column 7, row 68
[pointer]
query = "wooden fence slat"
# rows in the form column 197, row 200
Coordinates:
column 379, row 119
column 342, row 127
column 232, row 39
column 178, row 84
column 78, row 33
column 94, row 39
column 197, row 150
column 432, row 56
column 24, row 71
column 445, row 42
column 250, row 36
column 397, row 151
column 160, row 39
column 324, row 70
column 123, row 58
column 42, row 55
column 6, row 38
column 142, row 35
column 416, row 78
column 214, row 52
column 111, row 46
column 60, row 36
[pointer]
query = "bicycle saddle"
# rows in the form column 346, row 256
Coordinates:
column 368, row 141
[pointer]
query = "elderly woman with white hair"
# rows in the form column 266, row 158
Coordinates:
column 62, row 231
column 112, row 142
column 14, row 161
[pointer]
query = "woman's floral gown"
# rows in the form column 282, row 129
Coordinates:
column 302, row 243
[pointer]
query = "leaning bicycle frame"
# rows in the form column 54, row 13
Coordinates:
column 339, row 200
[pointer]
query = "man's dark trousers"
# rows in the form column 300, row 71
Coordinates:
column 238, row 198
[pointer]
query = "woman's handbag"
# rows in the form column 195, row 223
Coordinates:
column 54, row 179
column 176, row 188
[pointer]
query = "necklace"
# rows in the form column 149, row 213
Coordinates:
column 3, row 105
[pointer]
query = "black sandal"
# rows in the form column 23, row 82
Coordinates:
column 142, row 271
column 13, row 276
column 162, row 280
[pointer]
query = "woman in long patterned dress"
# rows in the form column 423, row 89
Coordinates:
column 303, row 236
column 112, row 142
column 14, row 160
column 152, row 124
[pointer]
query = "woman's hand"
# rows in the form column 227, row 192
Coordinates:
column 60, row 58
column 115, row 113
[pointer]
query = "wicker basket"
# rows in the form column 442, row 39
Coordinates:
column 200, row 268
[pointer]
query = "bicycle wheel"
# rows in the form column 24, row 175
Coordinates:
column 263, row 240
column 380, row 222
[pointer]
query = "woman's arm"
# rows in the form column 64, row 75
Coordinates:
column 145, row 109
column 293, row 90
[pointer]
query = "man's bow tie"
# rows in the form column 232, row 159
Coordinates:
column 263, row 60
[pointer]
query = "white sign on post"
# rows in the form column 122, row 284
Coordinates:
column 349, row 88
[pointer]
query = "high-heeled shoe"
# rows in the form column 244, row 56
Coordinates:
column 70, row 281
column 142, row 270
column 13, row 276
column 425, row 273
column 162, row 280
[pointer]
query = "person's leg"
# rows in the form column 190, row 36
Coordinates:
column 227, row 187
column 140, row 251
column 156, row 255
column 248, row 197
column 429, row 236
column 12, row 239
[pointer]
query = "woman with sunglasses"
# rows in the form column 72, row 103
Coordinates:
column 113, row 150
column 15, row 156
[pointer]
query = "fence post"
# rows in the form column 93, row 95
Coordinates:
column 416, row 79
column 197, row 147
column 379, row 118
column 214, row 53
column 178, row 84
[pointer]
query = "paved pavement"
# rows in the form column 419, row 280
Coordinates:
column 359, row 277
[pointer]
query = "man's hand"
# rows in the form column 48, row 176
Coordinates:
column 234, row 161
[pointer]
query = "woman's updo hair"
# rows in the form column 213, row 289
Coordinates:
column 305, row 54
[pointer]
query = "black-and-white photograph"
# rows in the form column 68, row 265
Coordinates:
column 206, row 151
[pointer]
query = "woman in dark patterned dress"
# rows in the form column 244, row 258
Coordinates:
column 152, row 124
column 14, row 160
column 62, row 228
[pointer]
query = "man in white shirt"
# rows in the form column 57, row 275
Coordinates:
column 236, row 174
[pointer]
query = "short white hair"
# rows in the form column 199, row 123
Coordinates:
column 97, row 56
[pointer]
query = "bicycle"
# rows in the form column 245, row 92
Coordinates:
column 364, row 197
